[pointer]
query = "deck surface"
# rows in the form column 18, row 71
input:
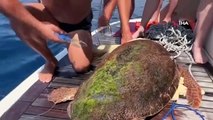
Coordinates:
column 33, row 105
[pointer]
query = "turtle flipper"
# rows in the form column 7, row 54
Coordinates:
column 193, row 94
column 62, row 95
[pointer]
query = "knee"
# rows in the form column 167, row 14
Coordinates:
column 81, row 68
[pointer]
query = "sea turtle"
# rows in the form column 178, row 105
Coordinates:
column 133, row 82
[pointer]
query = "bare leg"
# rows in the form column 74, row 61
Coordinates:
column 172, row 6
column 125, row 12
column 109, row 6
column 185, row 9
column 40, row 46
column 151, row 13
column 204, row 23
column 80, row 55
column 155, row 15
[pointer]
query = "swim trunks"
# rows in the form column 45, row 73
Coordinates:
column 85, row 24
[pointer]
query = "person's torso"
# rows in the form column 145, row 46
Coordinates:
column 68, row 11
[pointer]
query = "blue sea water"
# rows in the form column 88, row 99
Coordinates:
column 18, row 61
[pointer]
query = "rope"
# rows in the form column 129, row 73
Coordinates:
column 175, row 105
column 178, row 41
column 174, row 41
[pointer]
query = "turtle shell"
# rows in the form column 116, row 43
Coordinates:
column 135, row 81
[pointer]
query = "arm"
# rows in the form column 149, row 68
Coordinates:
column 26, row 22
column 14, row 10
column 151, row 11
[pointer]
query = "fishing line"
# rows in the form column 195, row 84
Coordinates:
column 43, row 113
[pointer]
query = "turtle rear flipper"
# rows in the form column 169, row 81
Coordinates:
column 193, row 94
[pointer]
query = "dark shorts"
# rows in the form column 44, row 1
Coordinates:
column 85, row 24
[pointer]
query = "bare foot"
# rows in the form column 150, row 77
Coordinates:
column 126, row 37
column 199, row 55
column 137, row 33
column 167, row 20
column 46, row 74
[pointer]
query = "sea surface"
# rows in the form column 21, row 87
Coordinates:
column 18, row 61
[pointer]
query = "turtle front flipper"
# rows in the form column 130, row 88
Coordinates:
column 193, row 94
column 62, row 94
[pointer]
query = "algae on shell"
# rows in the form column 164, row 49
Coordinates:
column 135, row 81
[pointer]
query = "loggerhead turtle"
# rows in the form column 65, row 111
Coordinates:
column 135, row 81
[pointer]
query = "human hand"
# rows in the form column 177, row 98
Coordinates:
column 38, row 31
column 138, row 33
column 51, row 32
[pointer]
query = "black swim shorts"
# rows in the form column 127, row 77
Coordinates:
column 85, row 24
